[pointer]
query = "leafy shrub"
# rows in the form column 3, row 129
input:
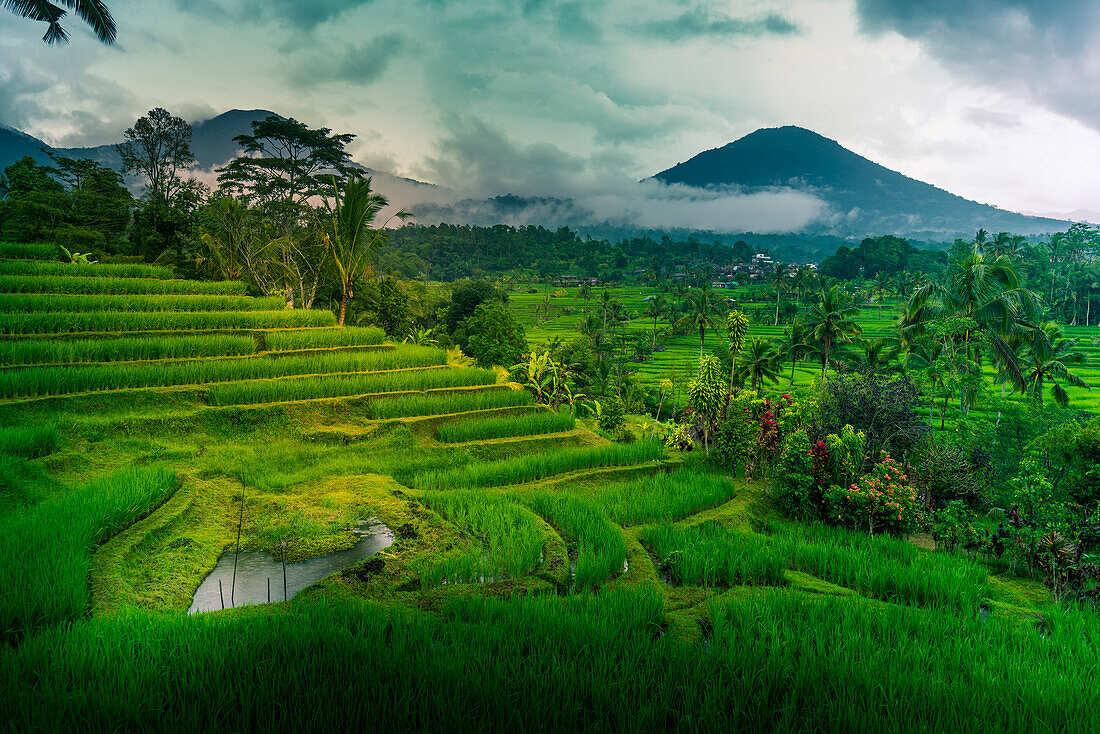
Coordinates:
column 611, row 414
column 794, row 486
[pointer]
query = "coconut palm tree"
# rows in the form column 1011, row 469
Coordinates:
column 1049, row 352
column 92, row 12
column 702, row 314
column 585, row 292
column 351, row 240
column 878, row 355
column 779, row 275
column 793, row 346
column 832, row 321
column 984, row 289
column 656, row 307
column 760, row 362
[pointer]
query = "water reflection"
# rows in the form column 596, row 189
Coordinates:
column 260, row 574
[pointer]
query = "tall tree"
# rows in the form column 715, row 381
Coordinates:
column 656, row 307
column 793, row 346
column 349, row 234
column 760, row 362
column 1049, row 355
column 702, row 314
column 737, row 327
column 779, row 276
column 158, row 148
column 982, row 289
column 285, row 163
column 832, row 321
column 92, row 12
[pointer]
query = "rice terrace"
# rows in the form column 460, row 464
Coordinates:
column 776, row 439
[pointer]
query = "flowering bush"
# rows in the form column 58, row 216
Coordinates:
column 880, row 501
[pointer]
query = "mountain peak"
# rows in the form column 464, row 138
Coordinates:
column 862, row 196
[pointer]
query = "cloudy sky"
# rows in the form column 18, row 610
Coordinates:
column 993, row 100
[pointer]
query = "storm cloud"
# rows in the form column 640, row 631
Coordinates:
column 1048, row 50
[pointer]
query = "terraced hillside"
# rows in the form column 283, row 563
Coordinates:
column 540, row 577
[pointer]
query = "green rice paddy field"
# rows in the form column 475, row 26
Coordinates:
column 680, row 358
column 541, row 578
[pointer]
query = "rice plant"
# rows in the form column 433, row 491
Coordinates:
column 51, row 302
column 28, row 251
column 118, row 286
column 347, row 336
column 114, row 321
column 527, row 424
column 885, row 568
column 538, row 466
column 36, row 381
column 508, row 540
column 598, row 548
column 670, row 497
column 72, row 351
column 709, row 555
column 406, row 406
column 333, row 386
column 86, row 270
column 46, row 550
column 32, row 442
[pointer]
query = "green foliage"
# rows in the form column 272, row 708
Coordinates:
column 348, row 336
column 46, row 550
column 667, row 497
column 492, row 335
column 880, row 501
column 333, row 386
column 117, row 286
column 531, row 467
column 446, row 403
column 710, row 555
column 509, row 543
column 33, row 442
column 86, row 270
column 385, row 303
column 598, row 545
column 30, row 303
column 528, row 424
column 28, row 250
column 71, row 351
column 611, row 414
column 794, row 488
column 85, row 378
column 112, row 321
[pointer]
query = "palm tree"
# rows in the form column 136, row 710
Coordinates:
column 878, row 355
column 1049, row 353
column 92, row 12
column 702, row 313
column 585, row 292
column 351, row 241
column 883, row 285
column 656, row 307
column 793, row 346
column 831, row 322
column 984, row 289
column 605, row 304
column 760, row 362
column 779, row 273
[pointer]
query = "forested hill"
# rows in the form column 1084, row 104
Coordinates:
column 450, row 252
column 864, row 196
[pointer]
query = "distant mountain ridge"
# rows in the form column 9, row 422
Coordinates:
column 211, row 142
column 864, row 197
